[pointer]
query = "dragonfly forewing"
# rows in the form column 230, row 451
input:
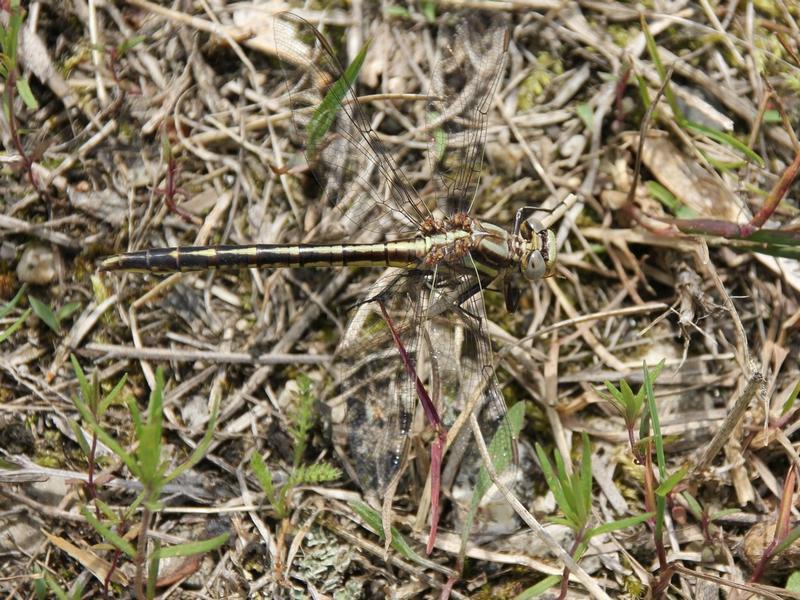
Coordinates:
column 441, row 321
column 374, row 402
column 472, row 57
column 347, row 156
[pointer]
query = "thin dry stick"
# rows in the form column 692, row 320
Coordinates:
column 763, row 591
column 113, row 351
column 731, row 421
column 599, row 349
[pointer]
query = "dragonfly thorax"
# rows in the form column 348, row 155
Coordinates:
column 530, row 252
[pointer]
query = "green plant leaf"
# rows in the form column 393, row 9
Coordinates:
column 79, row 437
column 790, row 539
column 585, row 114
column 325, row 113
column 150, row 442
column 15, row 326
column 130, row 43
column 86, row 390
column 793, row 582
column 789, row 404
column 663, row 195
column 109, row 513
column 44, row 312
column 783, row 251
column 109, row 398
column 721, row 514
column 152, row 569
column 429, row 11
column 314, row 474
column 562, row 521
column 57, row 590
column 262, row 473
column 652, row 50
column 192, row 548
column 725, row 138
column 658, row 440
column 644, row 93
column 11, row 33
column 302, row 418
column 39, row 581
column 397, row 11
column 108, row 535
column 670, row 482
column 11, row 304
column 617, row 525
column 25, row 92
column 559, row 484
column 104, row 436
column 201, row 448
column 66, row 310
column 585, row 479
column 373, row 520
column 540, row 588
column 693, row 505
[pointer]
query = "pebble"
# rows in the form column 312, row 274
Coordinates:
column 37, row 265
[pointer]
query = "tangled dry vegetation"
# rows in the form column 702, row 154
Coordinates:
column 168, row 125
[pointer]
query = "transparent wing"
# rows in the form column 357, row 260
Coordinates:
column 471, row 64
column 348, row 159
column 373, row 407
column 462, row 356
column 440, row 319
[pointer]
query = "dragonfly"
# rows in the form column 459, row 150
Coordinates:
column 417, row 347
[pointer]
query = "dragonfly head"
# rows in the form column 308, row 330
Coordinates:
column 539, row 256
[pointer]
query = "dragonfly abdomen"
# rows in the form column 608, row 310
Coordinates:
column 402, row 253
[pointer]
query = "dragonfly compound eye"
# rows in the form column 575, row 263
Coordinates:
column 535, row 268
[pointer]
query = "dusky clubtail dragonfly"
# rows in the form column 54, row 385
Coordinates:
column 421, row 332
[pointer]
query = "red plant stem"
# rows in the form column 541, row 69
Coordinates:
column 776, row 194
column 565, row 575
column 432, row 416
column 730, row 230
column 619, row 95
column 437, row 454
column 11, row 83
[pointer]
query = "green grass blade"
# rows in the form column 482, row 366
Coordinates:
column 617, row 525
column 11, row 304
column 373, row 520
column 790, row 539
column 670, row 482
column 45, row 313
column 25, row 92
column 108, row 535
column 201, row 448
column 15, row 326
column 324, row 115
column 724, row 138
column 192, row 548
column 540, row 588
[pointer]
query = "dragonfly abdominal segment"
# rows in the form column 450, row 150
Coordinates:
column 492, row 250
column 402, row 253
